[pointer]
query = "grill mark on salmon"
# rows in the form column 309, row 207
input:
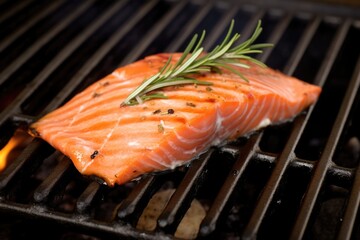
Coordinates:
column 119, row 144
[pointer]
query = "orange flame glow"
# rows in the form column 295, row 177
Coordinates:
column 19, row 139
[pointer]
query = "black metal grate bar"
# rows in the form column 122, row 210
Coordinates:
column 185, row 192
column 275, row 37
column 293, row 62
column 15, row 65
column 98, row 56
column 223, row 197
column 58, row 60
column 129, row 204
column 155, row 31
column 246, row 33
column 13, row 170
column 173, row 47
column 222, row 24
column 10, row 38
column 14, row 10
column 288, row 154
column 326, row 157
column 42, row 192
column 352, row 208
column 87, row 198
column 331, row 55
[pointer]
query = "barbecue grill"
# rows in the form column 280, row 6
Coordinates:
column 297, row 180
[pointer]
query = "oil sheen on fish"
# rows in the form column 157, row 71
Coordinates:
column 119, row 144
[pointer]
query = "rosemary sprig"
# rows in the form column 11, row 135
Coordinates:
column 195, row 61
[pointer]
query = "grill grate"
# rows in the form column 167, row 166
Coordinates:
column 286, row 181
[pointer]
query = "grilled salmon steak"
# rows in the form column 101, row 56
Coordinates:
column 121, row 143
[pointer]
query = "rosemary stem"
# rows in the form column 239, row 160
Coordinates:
column 195, row 61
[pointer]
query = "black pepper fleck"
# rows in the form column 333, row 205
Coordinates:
column 171, row 111
column 95, row 153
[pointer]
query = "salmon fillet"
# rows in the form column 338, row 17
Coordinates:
column 119, row 144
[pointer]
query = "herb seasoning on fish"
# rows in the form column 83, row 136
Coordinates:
column 161, row 127
column 95, row 95
column 190, row 104
column 194, row 61
column 157, row 111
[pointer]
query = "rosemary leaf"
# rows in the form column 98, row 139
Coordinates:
column 195, row 61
